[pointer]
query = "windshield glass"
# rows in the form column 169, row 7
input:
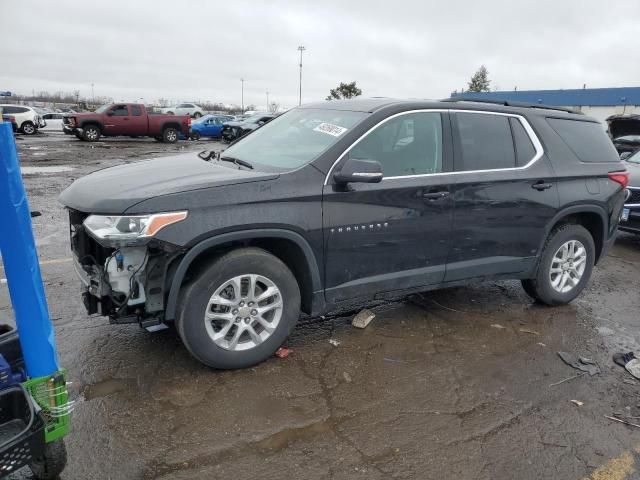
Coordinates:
column 103, row 108
column 635, row 158
column 294, row 138
column 629, row 138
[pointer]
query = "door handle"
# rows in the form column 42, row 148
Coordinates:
column 435, row 195
column 541, row 185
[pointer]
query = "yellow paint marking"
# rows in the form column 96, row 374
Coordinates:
column 615, row 469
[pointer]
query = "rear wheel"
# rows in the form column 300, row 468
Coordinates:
column 28, row 128
column 565, row 266
column 239, row 310
column 170, row 135
column 91, row 133
column 197, row 115
column 195, row 135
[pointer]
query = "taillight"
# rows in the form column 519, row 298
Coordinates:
column 620, row 177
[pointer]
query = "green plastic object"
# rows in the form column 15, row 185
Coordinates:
column 51, row 395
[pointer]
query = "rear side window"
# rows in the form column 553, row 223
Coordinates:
column 525, row 151
column 587, row 140
column 485, row 142
column 9, row 110
column 136, row 111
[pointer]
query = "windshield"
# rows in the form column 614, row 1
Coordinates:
column 294, row 138
column 103, row 108
column 629, row 138
column 635, row 158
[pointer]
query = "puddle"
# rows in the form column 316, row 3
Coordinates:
column 282, row 439
column 104, row 388
column 51, row 169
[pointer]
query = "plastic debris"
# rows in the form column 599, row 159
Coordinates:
column 622, row 421
column 363, row 318
column 629, row 362
column 347, row 377
column 542, row 344
column 590, row 368
column 393, row 360
column 283, row 352
column 334, row 342
column 497, row 325
column 526, row 330
column 577, row 402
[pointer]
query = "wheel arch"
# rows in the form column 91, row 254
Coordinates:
column 97, row 123
column 290, row 247
column 592, row 217
column 171, row 124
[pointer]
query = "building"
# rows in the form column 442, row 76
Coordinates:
column 599, row 103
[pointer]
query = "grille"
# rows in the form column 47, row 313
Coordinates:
column 634, row 197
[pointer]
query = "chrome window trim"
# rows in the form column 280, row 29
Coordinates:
column 537, row 145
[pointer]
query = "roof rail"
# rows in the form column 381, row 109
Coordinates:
column 509, row 103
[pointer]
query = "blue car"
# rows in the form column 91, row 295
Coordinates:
column 209, row 126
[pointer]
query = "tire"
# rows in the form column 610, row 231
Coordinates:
column 28, row 128
column 158, row 138
column 195, row 136
column 197, row 115
column 51, row 464
column 197, row 334
column 541, row 287
column 91, row 133
column 170, row 135
column 79, row 137
column 169, row 113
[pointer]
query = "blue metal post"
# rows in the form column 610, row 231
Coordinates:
column 21, row 265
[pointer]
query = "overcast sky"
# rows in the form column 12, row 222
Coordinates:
column 199, row 50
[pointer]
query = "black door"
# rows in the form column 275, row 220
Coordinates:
column 392, row 235
column 504, row 196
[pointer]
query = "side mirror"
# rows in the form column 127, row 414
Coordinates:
column 110, row 113
column 362, row 171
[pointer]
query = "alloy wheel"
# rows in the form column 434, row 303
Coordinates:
column 567, row 266
column 243, row 312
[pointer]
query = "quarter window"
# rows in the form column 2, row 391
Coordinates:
column 409, row 144
column 525, row 151
column 485, row 142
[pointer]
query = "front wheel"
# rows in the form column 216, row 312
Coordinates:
column 170, row 135
column 28, row 128
column 52, row 461
column 91, row 133
column 565, row 266
column 239, row 310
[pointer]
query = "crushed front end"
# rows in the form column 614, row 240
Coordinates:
column 124, row 274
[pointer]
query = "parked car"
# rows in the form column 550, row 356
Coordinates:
column 235, row 129
column 190, row 109
column 130, row 119
column 11, row 119
column 630, row 219
column 27, row 119
column 344, row 202
column 624, row 131
column 53, row 121
column 209, row 126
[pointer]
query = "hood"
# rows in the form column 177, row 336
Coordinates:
column 114, row 190
column 634, row 173
column 235, row 123
column 623, row 125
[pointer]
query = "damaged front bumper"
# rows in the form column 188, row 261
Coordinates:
column 128, row 284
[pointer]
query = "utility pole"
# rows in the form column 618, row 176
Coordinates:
column 301, row 49
column 93, row 97
column 267, row 100
column 242, row 93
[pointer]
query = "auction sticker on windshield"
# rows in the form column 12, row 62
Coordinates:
column 331, row 129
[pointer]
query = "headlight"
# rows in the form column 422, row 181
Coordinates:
column 130, row 227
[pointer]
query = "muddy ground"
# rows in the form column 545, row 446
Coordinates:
column 446, row 385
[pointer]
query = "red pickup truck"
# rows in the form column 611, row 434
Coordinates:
column 129, row 119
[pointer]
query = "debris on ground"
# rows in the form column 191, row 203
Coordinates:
column 629, row 362
column 526, row 330
column 541, row 344
column 363, row 318
column 577, row 402
column 497, row 325
column 567, row 379
column 283, row 352
column 334, row 342
column 393, row 360
column 589, row 366
column 622, row 421
column 347, row 377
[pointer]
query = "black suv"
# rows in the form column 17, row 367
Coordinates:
column 345, row 201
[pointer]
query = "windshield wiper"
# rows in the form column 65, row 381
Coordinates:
column 237, row 161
